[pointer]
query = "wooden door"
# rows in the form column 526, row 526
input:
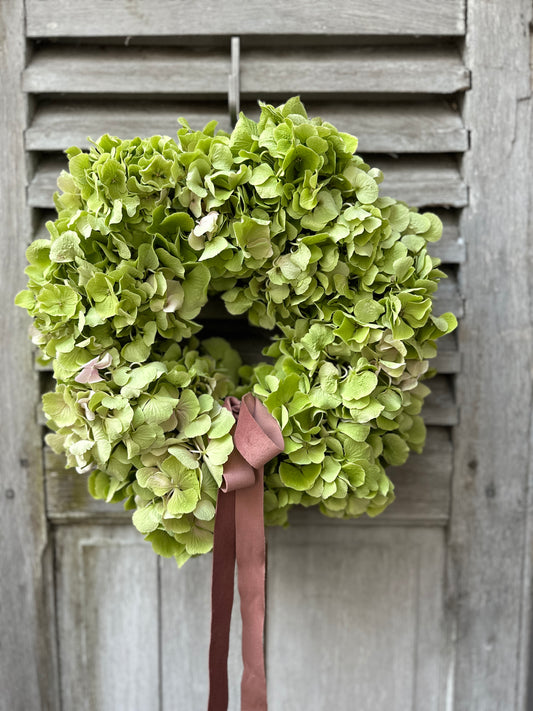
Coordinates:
column 424, row 608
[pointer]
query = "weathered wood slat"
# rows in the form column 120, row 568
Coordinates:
column 447, row 361
column 360, row 70
column 381, row 128
column 355, row 619
column 28, row 664
column 76, row 18
column 441, row 408
column 418, row 181
column 423, row 181
column 177, row 72
column 108, row 619
column 448, row 297
column 422, row 490
column 451, row 246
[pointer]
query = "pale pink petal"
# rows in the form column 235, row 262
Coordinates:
column 88, row 374
column 92, row 362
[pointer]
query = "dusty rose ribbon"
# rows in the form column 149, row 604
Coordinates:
column 240, row 537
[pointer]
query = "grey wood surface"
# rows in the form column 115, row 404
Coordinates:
column 490, row 533
column 60, row 18
column 177, row 72
column 421, row 181
column 184, row 639
column 382, row 127
column 370, row 635
column 525, row 673
column 27, row 660
column 383, row 584
column 108, row 619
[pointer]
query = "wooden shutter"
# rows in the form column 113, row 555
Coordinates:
column 357, row 613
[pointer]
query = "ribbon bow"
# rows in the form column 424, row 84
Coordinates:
column 240, row 537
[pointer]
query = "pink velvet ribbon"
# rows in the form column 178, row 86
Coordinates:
column 240, row 537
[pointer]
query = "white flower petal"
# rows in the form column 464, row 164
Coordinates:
column 104, row 361
column 206, row 225
column 175, row 296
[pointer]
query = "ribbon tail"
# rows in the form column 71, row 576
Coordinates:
column 251, row 562
column 240, row 537
column 221, row 600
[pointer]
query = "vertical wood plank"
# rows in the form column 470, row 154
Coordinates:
column 525, row 683
column 108, row 619
column 355, row 618
column 488, row 587
column 27, row 661
column 185, row 632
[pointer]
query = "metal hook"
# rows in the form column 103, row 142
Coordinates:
column 234, row 81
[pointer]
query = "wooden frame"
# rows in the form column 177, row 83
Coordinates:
column 28, row 671
column 490, row 538
column 490, row 533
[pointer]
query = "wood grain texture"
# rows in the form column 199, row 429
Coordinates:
column 490, row 587
column 381, row 127
column 525, row 672
column 419, row 181
column 27, row 662
column 173, row 71
column 422, row 489
column 108, row 619
column 186, row 612
column 388, row 598
column 451, row 246
column 355, row 619
column 76, row 18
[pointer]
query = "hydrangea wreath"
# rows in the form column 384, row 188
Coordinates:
column 285, row 223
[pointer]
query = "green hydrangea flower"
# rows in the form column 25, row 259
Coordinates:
column 284, row 222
